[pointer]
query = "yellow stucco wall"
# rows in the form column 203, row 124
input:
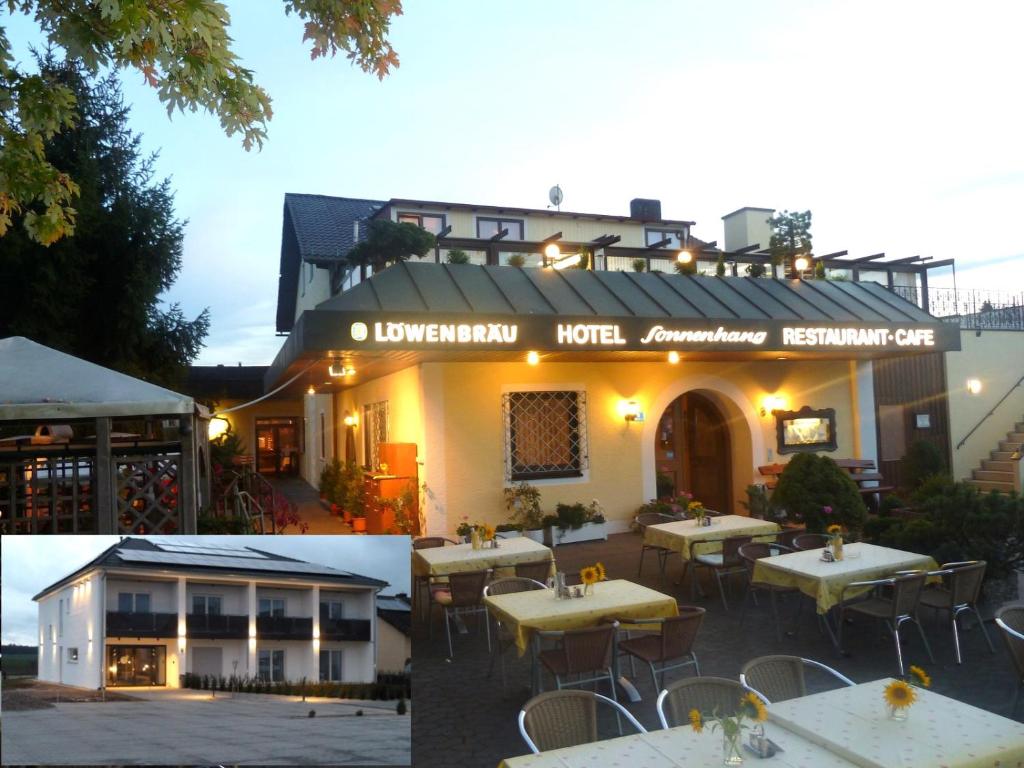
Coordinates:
column 996, row 358
column 243, row 422
column 393, row 648
column 402, row 392
column 469, row 476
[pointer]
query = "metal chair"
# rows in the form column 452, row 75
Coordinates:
column 673, row 642
column 653, row 518
column 750, row 554
column 462, row 595
column 705, row 694
column 566, row 719
column 506, row 586
column 723, row 563
column 894, row 610
column 805, row 541
column 538, row 570
column 430, row 542
column 786, row 536
column 1010, row 621
column 958, row 594
column 778, row 678
column 421, row 584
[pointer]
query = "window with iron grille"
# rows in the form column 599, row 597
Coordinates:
column 375, row 432
column 545, row 434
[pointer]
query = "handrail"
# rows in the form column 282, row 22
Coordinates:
column 992, row 411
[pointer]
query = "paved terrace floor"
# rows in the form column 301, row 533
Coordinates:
column 189, row 728
column 463, row 718
column 318, row 519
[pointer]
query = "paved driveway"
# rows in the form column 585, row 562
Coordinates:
column 188, row 728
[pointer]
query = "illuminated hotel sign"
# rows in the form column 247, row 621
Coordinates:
column 547, row 332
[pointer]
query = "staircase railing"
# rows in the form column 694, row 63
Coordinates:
column 991, row 411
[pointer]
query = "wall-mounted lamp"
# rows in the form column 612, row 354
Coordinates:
column 673, row 357
column 684, row 257
column 630, row 410
column 552, row 251
column 338, row 368
column 532, row 357
column 350, row 420
column 218, row 426
column 772, row 403
column 310, row 391
column 974, row 386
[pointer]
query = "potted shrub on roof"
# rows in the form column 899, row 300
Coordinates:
column 522, row 502
column 578, row 522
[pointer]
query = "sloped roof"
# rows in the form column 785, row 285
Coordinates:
column 491, row 290
column 37, row 382
column 396, row 611
column 181, row 554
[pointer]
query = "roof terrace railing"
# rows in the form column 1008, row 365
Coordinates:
column 975, row 308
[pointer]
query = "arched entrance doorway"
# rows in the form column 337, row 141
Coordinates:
column 692, row 451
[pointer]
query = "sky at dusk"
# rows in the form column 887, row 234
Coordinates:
column 897, row 124
column 29, row 564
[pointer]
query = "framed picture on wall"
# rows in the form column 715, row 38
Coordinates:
column 805, row 430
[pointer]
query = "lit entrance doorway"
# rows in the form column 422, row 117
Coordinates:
column 136, row 665
column 277, row 446
column 692, row 452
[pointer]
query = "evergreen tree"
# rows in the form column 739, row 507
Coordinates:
column 791, row 237
column 97, row 295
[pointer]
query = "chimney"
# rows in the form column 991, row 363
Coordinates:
column 747, row 226
column 645, row 210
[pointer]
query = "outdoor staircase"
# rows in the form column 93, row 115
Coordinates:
column 997, row 472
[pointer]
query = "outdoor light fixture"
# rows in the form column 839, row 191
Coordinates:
column 772, row 403
column 631, row 412
column 337, row 368
column 350, row 420
column 684, row 257
column 310, row 391
column 552, row 251
column 974, row 386
column 532, row 357
column 568, row 261
column 801, row 264
column 218, row 426
column 673, row 357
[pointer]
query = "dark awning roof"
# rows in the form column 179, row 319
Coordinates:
column 445, row 311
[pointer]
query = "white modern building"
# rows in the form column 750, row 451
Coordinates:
column 144, row 613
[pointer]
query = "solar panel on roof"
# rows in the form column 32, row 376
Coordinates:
column 202, row 549
column 210, row 561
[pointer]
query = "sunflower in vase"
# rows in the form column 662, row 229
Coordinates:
column 590, row 575
column 836, row 532
column 900, row 695
column 751, row 708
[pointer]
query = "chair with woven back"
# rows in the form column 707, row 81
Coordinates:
column 506, row 586
column 462, row 595
column 723, row 563
column 804, row 541
column 538, row 570
column 787, row 536
column 958, row 593
column 895, row 609
column 705, row 694
column 586, row 654
column 1010, row 621
column 778, row 678
column 643, row 520
column 421, row 584
column 558, row 719
column 672, row 642
column 752, row 552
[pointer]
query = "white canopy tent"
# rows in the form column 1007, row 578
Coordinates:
column 42, row 385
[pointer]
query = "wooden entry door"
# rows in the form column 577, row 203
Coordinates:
column 693, row 452
column 277, row 446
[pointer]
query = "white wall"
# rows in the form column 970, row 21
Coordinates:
column 234, row 599
column 163, row 596
column 82, row 623
column 314, row 459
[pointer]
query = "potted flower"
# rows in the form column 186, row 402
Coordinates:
column 522, row 503
column 698, row 512
column 579, row 522
column 359, row 521
column 465, row 529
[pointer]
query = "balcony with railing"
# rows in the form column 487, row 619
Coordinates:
column 284, row 628
column 211, row 626
column 345, row 629
column 974, row 308
column 124, row 624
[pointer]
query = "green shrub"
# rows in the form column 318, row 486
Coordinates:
column 922, row 460
column 571, row 515
column 401, row 708
column 458, row 256
column 808, row 484
column 890, row 503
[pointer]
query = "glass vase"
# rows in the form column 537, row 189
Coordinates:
column 837, row 547
column 898, row 713
column 732, row 753
column 475, row 540
column 588, row 589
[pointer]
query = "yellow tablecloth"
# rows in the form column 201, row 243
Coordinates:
column 825, row 581
column 679, row 747
column 679, row 535
column 440, row 561
column 853, row 722
column 523, row 613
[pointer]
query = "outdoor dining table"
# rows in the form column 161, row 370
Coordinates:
column 689, row 538
column 526, row 613
column 441, row 561
column 824, row 581
column 854, row 722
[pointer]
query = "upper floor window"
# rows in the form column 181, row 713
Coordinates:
column 206, row 604
column 652, row 236
column 545, row 434
column 332, row 609
column 271, row 607
column 432, row 222
column 487, row 228
column 133, row 602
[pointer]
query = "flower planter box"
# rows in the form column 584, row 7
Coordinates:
column 508, row 534
column 587, row 532
column 537, row 535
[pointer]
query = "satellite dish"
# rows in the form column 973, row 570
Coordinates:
column 555, row 195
